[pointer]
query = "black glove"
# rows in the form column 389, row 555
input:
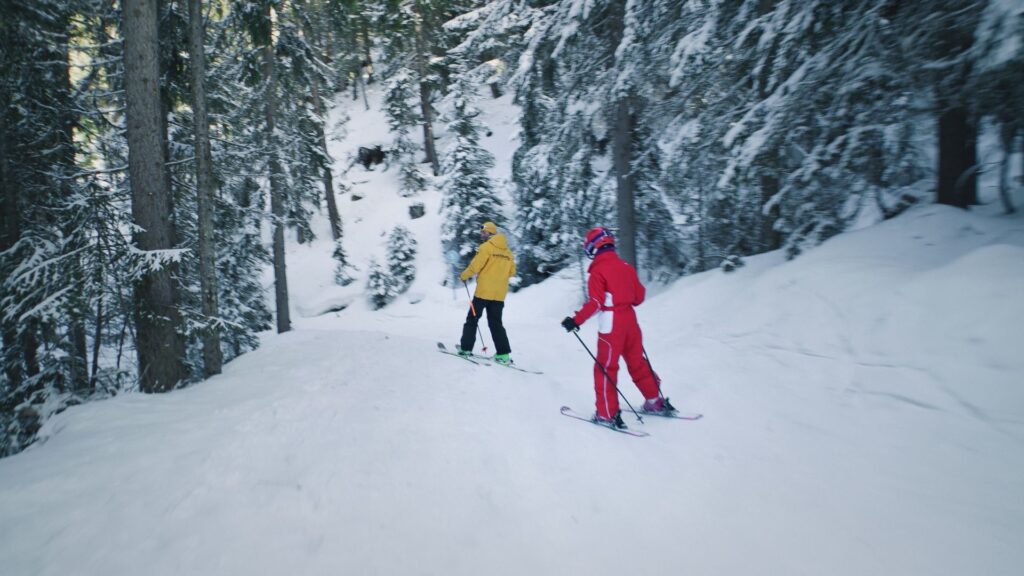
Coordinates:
column 569, row 324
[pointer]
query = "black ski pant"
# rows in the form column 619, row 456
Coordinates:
column 493, row 308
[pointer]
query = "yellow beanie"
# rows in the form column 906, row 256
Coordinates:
column 490, row 228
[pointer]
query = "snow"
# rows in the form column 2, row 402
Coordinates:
column 997, row 27
column 863, row 415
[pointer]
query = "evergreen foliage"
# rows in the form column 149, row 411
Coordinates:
column 751, row 125
column 401, row 259
column 469, row 198
column 730, row 127
column 343, row 268
column 402, row 120
column 381, row 289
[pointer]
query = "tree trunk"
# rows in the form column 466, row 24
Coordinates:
column 80, row 362
column 96, row 341
column 213, row 358
column 425, row 108
column 622, row 158
column 277, row 199
column 970, row 177
column 1008, row 134
column 367, row 59
column 958, row 131
column 160, row 347
column 701, row 229
column 62, row 164
column 318, row 109
column 9, row 234
column 957, row 167
column 332, row 204
column 428, row 129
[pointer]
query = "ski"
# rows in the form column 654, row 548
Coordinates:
column 441, row 348
column 677, row 415
column 567, row 411
column 510, row 365
column 484, row 360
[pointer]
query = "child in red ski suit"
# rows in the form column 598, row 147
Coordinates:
column 614, row 289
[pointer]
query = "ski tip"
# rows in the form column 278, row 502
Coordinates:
column 688, row 415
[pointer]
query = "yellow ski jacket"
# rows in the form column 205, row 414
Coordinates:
column 494, row 264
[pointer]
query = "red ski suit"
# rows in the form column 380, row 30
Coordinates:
column 614, row 290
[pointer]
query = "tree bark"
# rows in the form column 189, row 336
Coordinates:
column 160, row 347
column 96, row 342
column 622, row 159
column 9, row 234
column 425, row 108
column 428, row 129
column 970, row 176
column 318, row 109
column 213, row 357
column 957, row 167
column 332, row 204
column 277, row 199
column 367, row 59
column 62, row 164
column 958, row 131
column 1008, row 134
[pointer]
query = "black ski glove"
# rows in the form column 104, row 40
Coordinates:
column 569, row 324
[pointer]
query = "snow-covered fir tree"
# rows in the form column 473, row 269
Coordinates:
column 403, row 119
column 469, row 197
column 381, row 289
column 243, row 303
column 401, row 258
column 342, row 268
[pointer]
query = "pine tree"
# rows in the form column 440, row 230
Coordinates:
column 159, row 344
column 277, row 85
column 401, row 258
column 343, row 268
column 212, row 354
column 402, row 119
column 538, row 190
column 236, row 115
column 243, row 304
column 469, row 198
column 380, row 286
column 342, row 274
column 413, row 36
column 318, row 80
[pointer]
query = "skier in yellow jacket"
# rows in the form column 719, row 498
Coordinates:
column 493, row 265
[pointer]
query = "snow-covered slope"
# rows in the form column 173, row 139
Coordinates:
column 863, row 415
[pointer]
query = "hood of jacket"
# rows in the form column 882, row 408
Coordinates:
column 499, row 241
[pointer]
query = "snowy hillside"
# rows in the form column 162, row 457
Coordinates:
column 863, row 415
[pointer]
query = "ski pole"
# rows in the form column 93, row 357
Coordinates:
column 472, row 309
column 657, row 379
column 614, row 383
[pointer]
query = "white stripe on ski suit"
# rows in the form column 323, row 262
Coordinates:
column 604, row 377
column 605, row 319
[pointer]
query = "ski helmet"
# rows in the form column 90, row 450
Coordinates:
column 596, row 239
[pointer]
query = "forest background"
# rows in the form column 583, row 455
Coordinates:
column 154, row 154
